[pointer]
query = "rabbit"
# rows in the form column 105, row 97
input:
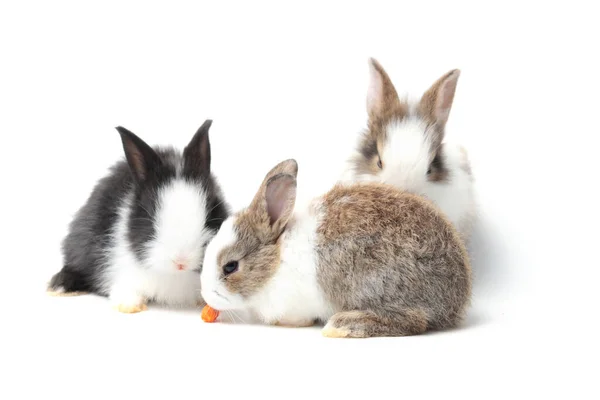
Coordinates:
column 403, row 146
column 142, row 233
column 366, row 258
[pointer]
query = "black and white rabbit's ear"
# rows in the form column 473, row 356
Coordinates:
column 142, row 159
column 196, row 155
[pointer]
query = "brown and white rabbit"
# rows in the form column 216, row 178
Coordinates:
column 403, row 146
column 368, row 258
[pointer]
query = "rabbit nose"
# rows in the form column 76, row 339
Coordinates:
column 180, row 266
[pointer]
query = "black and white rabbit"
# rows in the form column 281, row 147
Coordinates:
column 142, row 234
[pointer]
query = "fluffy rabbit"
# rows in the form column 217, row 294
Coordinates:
column 368, row 258
column 141, row 235
column 402, row 146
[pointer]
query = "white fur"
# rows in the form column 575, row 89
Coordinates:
column 456, row 198
column 292, row 296
column 180, row 239
column 405, row 156
column 213, row 291
column 405, row 159
column 179, row 227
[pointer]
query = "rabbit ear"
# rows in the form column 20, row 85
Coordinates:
column 437, row 100
column 274, row 201
column 286, row 167
column 142, row 159
column 280, row 197
column 196, row 155
column 381, row 95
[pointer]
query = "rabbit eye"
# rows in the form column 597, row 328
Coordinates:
column 230, row 267
column 429, row 171
column 379, row 164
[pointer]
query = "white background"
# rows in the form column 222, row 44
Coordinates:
column 285, row 81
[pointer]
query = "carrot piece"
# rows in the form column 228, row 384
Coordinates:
column 209, row 314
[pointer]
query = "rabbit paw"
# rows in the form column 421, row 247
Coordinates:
column 299, row 323
column 365, row 324
column 131, row 308
column 347, row 324
column 60, row 292
column 129, row 304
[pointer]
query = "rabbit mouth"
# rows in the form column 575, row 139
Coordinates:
column 221, row 296
column 217, row 301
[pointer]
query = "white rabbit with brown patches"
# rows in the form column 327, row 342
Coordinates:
column 367, row 258
column 403, row 146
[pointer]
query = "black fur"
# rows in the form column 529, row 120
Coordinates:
column 219, row 211
column 438, row 162
column 140, row 175
column 368, row 147
column 438, row 169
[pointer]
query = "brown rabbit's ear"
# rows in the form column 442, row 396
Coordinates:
column 289, row 167
column 280, row 198
column 274, row 202
column 382, row 98
column 437, row 100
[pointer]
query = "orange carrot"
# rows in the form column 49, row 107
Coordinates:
column 209, row 314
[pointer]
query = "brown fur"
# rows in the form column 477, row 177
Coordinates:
column 258, row 262
column 432, row 98
column 389, row 105
column 393, row 260
column 257, row 248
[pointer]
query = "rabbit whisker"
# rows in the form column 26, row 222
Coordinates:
column 217, row 205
